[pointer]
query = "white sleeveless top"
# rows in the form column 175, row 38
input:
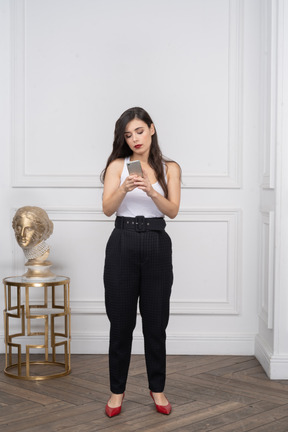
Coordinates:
column 136, row 202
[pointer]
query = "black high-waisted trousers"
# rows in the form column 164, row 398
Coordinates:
column 138, row 264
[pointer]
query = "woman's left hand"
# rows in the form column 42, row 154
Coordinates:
column 144, row 184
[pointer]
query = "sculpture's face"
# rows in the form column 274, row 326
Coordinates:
column 26, row 234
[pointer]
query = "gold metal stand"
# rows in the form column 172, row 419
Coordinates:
column 25, row 311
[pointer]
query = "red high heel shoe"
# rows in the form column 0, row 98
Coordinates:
column 163, row 409
column 111, row 412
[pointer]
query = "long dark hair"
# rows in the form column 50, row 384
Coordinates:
column 122, row 150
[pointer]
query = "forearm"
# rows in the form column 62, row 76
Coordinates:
column 167, row 207
column 112, row 202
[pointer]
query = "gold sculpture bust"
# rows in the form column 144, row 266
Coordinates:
column 32, row 227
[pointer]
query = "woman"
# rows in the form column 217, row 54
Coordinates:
column 138, row 255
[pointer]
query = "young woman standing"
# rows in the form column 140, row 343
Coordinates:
column 138, row 260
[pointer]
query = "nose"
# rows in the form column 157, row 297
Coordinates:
column 22, row 233
column 134, row 137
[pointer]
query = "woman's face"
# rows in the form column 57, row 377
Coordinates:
column 138, row 136
column 26, row 234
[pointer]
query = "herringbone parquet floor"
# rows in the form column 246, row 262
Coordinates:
column 207, row 393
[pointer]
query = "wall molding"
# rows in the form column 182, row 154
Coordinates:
column 266, row 269
column 232, row 217
column 229, row 179
column 268, row 99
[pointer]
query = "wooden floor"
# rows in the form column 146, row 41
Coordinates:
column 207, row 393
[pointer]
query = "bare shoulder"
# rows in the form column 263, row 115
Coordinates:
column 173, row 169
column 116, row 166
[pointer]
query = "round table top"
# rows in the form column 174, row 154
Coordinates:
column 23, row 281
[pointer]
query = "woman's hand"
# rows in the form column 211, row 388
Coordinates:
column 144, row 184
column 129, row 183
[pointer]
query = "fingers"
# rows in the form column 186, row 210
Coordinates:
column 139, row 182
column 143, row 183
column 130, row 183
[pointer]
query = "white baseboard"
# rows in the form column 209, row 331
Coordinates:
column 275, row 366
column 263, row 354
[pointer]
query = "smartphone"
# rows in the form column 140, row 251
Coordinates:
column 134, row 167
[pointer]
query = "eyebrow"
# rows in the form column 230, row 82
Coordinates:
column 140, row 127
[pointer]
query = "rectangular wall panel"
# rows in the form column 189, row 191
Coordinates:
column 206, row 256
column 266, row 268
column 69, row 87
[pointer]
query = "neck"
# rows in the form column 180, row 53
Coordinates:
column 36, row 251
column 142, row 157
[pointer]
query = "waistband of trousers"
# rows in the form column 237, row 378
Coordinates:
column 140, row 223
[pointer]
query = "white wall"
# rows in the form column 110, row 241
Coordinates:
column 70, row 68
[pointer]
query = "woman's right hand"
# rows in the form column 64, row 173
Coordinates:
column 129, row 183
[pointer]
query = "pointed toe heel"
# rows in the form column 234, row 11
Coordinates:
column 163, row 409
column 112, row 412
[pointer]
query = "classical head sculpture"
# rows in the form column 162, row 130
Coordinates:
column 32, row 227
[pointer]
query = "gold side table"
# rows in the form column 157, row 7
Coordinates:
column 21, row 314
